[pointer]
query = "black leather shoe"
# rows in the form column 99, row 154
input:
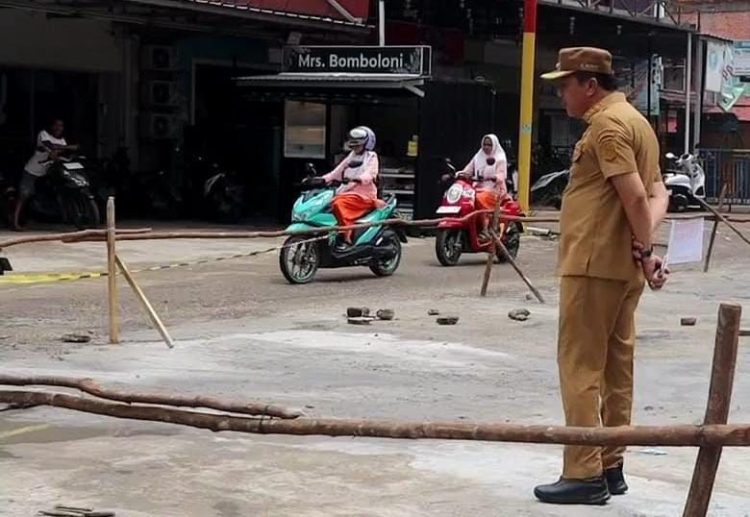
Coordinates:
column 616, row 481
column 574, row 491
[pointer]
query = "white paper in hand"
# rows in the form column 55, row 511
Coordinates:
column 686, row 241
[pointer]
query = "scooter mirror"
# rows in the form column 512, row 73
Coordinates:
column 671, row 156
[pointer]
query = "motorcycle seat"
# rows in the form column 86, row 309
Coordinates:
column 370, row 216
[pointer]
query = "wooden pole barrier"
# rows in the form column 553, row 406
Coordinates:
column 512, row 262
column 669, row 436
column 144, row 301
column 723, row 219
column 147, row 234
column 717, row 409
column 112, row 299
column 93, row 388
column 714, row 229
column 66, row 236
column 282, row 233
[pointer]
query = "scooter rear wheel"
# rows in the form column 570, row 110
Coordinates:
column 512, row 243
column 82, row 212
column 448, row 247
column 389, row 266
column 299, row 259
column 677, row 203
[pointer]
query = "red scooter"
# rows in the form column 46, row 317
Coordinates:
column 459, row 234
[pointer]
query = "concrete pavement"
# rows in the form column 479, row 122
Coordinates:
column 244, row 334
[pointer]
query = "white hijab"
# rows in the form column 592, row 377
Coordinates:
column 355, row 172
column 498, row 170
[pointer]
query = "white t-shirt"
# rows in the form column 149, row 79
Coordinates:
column 34, row 165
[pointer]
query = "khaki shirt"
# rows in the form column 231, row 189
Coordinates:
column 596, row 239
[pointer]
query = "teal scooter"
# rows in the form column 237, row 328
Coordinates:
column 376, row 247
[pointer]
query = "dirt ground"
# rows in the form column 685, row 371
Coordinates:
column 244, row 334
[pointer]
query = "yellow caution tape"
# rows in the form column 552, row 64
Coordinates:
column 39, row 278
column 21, row 430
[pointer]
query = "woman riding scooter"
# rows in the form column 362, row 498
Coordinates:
column 488, row 168
column 358, row 194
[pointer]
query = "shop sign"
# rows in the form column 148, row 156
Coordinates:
column 391, row 60
column 741, row 64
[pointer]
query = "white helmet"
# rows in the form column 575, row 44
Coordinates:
column 362, row 135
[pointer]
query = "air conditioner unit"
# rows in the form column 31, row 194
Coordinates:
column 161, row 93
column 160, row 126
column 160, row 57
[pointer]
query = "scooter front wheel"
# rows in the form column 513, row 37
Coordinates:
column 299, row 259
column 449, row 246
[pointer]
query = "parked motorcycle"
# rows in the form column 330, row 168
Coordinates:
column 685, row 184
column 8, row 198
column 548, row 190
column 64, row 194
column 457, row 234
column 376, row 247
column 222, row 196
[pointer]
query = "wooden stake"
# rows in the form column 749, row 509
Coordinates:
column 492, row 253
column 114, row 317
column 144, row 301
column 717, row 409
column 723, row 219
column 488, row 270
column 714, row 229
column 511, row 260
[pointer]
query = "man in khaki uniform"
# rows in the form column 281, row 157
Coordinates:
column 613, row 203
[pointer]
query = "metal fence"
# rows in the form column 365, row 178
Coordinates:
column 730, row 167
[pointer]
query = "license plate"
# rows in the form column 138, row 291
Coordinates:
column 448, row 209
column 72, row 166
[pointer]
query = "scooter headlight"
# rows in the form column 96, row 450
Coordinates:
column 454, row 194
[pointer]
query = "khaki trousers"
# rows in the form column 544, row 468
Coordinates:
column 595, row 360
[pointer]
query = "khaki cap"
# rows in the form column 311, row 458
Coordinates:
column 581, row 59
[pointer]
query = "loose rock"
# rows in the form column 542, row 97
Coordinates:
column 357, row 312
column 447, row 320
column 76, row 338
column 688, row 322
column 519, row 314
column 359, row 321
column 433, row 312
column 744, row 332
column 385, row 314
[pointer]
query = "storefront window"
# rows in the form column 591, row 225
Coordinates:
column 304, row 130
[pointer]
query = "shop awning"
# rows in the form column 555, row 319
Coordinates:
column 741, row 112
column 347, row 12
column 241, row 16
column 407, row 82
